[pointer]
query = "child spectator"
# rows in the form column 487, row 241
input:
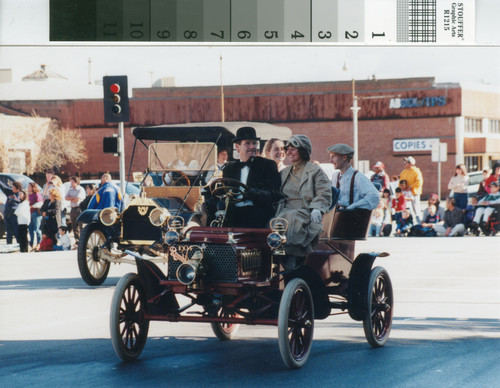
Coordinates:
column 376, row 220
column 433, row 217
column 404, row 224
column 426, row 228
column 434, row 200
column 484, row 210
column 387, row 202
column 398, row 204
column 407, row 193
column 46, row 244
column 23, row 220
column 63, row 240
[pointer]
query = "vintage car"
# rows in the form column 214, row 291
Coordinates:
column 138, row 227
column 231, row 276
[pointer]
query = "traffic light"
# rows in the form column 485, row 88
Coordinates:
column 116, row 105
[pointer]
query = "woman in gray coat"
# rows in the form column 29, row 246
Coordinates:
column 307, row 195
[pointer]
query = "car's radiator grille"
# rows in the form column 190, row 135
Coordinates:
column 136, row 226
column 219, row 263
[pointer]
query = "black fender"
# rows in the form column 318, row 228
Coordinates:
column 359, row 277
column 318, row 290
column 160, row 300
column 88, row 216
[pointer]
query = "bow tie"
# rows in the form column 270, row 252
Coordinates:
column 248, row 163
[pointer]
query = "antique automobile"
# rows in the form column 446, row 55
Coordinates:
column 232, row 276
column 181, row 160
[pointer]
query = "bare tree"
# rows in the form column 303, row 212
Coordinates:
column 60, row 147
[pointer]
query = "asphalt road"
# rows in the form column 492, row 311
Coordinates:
column 54, row 329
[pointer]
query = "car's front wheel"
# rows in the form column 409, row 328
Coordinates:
column 296, row 323
column 128, row 325
column 93, row 268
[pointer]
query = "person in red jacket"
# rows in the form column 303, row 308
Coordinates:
column 46, row 244
column 398, row 204
column 494, row 177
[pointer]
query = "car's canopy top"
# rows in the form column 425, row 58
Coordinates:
column 209, row 132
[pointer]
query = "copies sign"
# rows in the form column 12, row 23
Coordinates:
column 412, row 145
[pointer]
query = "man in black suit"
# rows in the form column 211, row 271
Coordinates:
column 262, row 178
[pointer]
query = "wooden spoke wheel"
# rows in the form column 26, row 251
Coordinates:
column 129, row 329
column 380, row 303
column 296, row 323
column 225, row 331
column 93, row 268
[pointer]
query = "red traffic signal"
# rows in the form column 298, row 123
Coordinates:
column 116, row 103
column 115, row 88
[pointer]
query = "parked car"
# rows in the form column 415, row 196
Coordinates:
column 6, row 180
column 177, row 191
column 475, row 178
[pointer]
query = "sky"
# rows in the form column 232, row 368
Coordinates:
column 24, row 46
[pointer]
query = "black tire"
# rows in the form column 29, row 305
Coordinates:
column 128, row 327
column 380, row 304
column 93, row 269
column 225, row 331
column 296, row 323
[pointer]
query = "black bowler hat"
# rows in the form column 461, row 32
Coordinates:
column 245, row 133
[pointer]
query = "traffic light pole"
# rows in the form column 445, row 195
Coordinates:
column 121, row 148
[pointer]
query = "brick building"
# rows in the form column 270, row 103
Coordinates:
column 398, row 117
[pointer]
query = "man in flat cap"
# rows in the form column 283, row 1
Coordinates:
column 262, row 178
column 414, row 179
column 356, row 191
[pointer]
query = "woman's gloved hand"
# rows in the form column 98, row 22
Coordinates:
column 316, row 216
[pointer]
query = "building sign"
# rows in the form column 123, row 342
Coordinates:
column 412, row 145
column 415, row 102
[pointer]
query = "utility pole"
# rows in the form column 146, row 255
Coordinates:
column 355, row 110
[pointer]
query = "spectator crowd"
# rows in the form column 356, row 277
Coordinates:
column 399, row 212
column 36, row 218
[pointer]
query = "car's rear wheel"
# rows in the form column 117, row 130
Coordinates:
column 296, row 323
column 225, row 331
column 129, row 328
column 93, row 268
column 380, row 303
